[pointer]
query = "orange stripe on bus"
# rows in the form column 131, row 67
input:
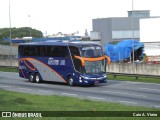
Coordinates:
column 22, row 73
column 24, row 59
column 92, row 59
column 108, row 58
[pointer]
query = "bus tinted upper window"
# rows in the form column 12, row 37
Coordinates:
column 57, row 51
column 91, row 51
column 24, row 50
column 44, row 51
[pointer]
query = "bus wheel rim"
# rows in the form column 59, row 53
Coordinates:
column 31, row 78
column 37, row 78
column 70, row 81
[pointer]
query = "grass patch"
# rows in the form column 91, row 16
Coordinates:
column 8, row 69
column 13, row 101
column 133, row 79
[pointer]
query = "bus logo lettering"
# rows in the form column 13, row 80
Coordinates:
column 62, row 62
column 51, row 61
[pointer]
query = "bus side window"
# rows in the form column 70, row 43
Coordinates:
column 60, row 51
column 55, row 52
column 26, row 50
column 64, row 52
column 74, row 51
column 21, row 50
column 32, row 51
column 44, row 51
column 38, row 51
column 77, row 62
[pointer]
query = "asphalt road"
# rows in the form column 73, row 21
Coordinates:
column 125, row 92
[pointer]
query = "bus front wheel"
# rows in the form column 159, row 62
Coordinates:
column 70, row 81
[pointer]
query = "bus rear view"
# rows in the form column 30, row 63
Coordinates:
column 81, row 63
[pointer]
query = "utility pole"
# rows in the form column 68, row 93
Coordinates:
column 30, row 33
column 10, row 33
column 133, row 34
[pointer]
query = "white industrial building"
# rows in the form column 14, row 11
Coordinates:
column 150, row 36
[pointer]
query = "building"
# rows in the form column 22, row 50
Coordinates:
column 150, row 36
column 119, row 28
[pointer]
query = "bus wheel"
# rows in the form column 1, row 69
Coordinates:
column 37, row 80
column 70, row 81
column 31, row 77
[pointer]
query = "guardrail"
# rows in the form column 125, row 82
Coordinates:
column 133, row 75
column 109, row 73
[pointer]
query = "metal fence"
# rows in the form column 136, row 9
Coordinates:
column 8, row 55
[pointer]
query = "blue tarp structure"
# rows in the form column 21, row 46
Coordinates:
column 123, row 50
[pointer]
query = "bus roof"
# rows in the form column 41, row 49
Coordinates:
column 61, row 43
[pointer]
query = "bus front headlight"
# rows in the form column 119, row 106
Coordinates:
column 80, row 79
column 105, row 76
column 85, row 77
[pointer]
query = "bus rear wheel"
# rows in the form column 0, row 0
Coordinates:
column 70, row 81
column 31, row 78
column 37, row 79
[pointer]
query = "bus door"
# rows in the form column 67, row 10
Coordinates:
column 60, row 61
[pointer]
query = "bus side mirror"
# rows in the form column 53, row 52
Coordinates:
column 108, row 59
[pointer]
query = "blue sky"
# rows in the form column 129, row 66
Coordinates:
column 68, row 16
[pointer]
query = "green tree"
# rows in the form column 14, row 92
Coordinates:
column 20, row 32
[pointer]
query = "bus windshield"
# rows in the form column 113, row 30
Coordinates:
column 91, row 51
column 94, row 67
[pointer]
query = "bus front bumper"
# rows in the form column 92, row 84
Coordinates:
column 92, row 82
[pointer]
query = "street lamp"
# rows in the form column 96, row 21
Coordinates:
column 133, row 33
column 10, row 32
column 30, row 34
column 29, row 24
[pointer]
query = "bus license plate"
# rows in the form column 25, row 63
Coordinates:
column 96, row 82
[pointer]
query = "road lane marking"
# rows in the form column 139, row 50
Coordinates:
column 96, row 98
column 150, row 89
column 69, row 94
column 24, row 89
column 146, row 83
column 45, row 91
column 129, row 82
column 43, row 85
column 5, row 86
column 118, row 84
column 128, row 102
column 124, row 93
column 156, row 106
